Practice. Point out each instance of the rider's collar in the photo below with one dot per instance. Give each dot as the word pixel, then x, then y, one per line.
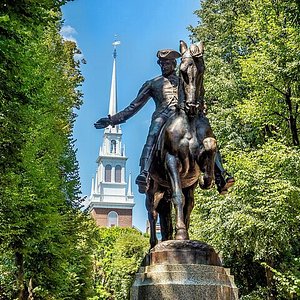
pixel 171 75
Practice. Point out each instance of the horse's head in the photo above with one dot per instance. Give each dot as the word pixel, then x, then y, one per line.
pixel 191 72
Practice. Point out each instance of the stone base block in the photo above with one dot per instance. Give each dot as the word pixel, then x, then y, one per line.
pixel 183 270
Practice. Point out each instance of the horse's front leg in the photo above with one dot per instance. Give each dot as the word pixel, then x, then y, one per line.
pixel 189 203
pixel 177 196
pixel 206 161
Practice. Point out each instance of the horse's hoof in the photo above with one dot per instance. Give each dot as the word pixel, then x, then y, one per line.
pixel 206 183
pixel 181 234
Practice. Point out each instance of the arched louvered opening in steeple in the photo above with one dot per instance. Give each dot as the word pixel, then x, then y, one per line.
pixel 113 146
pixel 118 172
pixel 107 174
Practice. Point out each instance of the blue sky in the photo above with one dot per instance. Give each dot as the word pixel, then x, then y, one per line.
pixel 143 27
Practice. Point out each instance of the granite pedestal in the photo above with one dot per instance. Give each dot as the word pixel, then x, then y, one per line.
pixel 189 270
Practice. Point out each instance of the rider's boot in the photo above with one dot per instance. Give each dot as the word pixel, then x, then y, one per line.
pixel 141 181
pixel 142 178
pixel 223 179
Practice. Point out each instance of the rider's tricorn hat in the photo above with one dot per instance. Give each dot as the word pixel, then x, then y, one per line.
pixel 168 54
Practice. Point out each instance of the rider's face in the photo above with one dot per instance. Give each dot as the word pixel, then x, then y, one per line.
pixel 167 66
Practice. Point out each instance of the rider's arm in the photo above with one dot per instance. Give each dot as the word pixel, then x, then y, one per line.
pixel 143 96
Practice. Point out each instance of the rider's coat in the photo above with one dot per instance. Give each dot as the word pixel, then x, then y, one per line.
pixel 163 90
pixel 166 92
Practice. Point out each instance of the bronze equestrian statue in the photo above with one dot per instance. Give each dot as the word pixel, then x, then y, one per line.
pixel 179 105
pixel 184 155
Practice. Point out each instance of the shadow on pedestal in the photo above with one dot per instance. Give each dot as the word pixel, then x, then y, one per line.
pixel 189 270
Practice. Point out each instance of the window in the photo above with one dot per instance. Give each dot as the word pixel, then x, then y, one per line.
pixel 112 219
pixel 113 146
pixel 118 171
pixel 107 175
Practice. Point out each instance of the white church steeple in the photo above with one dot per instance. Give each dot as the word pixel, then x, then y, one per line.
pixel 111 196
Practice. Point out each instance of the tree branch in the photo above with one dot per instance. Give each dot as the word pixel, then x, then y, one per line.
pixel 280 115
pixel 274 87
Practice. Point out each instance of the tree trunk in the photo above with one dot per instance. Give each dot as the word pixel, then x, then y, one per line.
pixel 270 282
pixel 293 127
pixel 20 275
pixel 292 117
pixel 30 290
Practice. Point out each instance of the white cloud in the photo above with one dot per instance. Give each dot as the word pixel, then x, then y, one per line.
pixel 68 32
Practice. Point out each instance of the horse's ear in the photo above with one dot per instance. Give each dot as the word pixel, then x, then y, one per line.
pixel 183 47
pixel 201 46
pixel 197 49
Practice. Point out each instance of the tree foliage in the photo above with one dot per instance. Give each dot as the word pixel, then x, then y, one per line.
pixel 43 235
pixel 117 257
pixel 252 94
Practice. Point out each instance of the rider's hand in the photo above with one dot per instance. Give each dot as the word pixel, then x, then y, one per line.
pixel 103 123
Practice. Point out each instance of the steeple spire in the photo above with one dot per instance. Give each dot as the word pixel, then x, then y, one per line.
pixel 113 88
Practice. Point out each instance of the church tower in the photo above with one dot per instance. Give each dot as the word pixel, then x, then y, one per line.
pixel 111 200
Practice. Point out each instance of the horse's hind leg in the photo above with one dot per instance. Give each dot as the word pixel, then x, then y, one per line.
pixel 177 196
pixel 164 209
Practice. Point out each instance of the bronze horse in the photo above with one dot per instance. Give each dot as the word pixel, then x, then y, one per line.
pixel 184 155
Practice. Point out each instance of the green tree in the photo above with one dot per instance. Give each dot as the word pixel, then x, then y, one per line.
pixel 118 255
pixel 252 94
pixel 43 234
pixel 270 37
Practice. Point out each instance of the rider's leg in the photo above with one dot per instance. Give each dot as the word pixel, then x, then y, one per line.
pixel 145 154
pixel 141 179
pixel 223 179
pixel 154 130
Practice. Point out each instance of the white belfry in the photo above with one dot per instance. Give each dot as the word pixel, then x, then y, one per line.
pixel 112 200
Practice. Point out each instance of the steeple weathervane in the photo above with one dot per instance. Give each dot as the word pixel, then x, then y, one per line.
pixel 115 44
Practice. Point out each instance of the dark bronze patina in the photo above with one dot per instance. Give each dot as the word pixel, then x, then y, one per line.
pixel 185 153
pixel 180 151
